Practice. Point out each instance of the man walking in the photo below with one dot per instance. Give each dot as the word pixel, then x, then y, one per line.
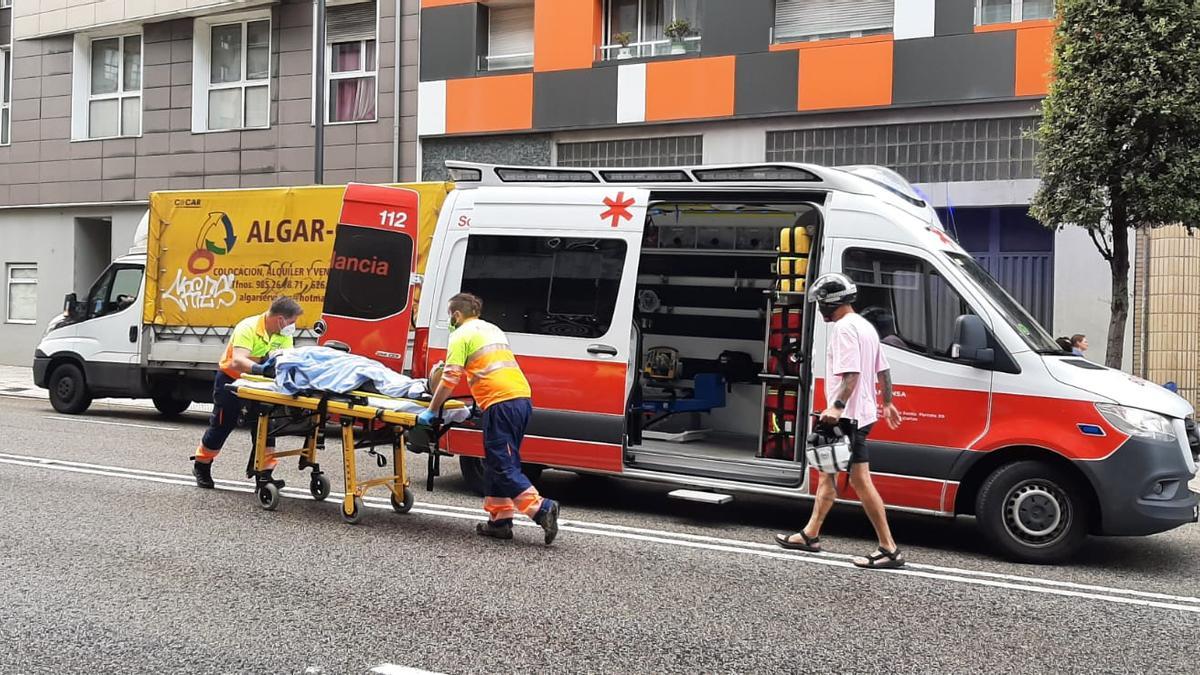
pixel 253 339
pixel 481 350
pixel 854 363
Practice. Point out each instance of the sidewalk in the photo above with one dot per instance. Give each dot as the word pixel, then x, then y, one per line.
pixel 18 381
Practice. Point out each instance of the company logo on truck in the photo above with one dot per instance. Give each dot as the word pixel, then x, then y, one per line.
pixel 216 238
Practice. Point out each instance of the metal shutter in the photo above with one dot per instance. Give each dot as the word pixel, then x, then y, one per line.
pixel 347 23
pixel 510 30
pixel 800 18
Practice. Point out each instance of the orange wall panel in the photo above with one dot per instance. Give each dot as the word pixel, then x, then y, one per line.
pixel 482 104
pixel 1035 60
pixel 564 34
pixel 690 88
pixel 846 76
pixel 443 3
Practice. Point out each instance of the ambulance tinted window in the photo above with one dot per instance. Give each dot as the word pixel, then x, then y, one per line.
pixel 369 273
pixel 545 285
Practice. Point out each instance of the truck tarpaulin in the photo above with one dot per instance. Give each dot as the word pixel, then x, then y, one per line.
pixel 215 257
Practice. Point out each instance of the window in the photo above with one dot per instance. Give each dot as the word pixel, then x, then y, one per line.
pixel 352 62
pixel 909 303
pixel 114 88
pixel 21 293
pixel 635 152
pixel 1025 325
pixel 820 19
pixel 115 290
pixel 558 286
pixel 1008 11
pixel 232 72
pixel 510 38
pixel 5 3
pixel 5 95
pixel 647 26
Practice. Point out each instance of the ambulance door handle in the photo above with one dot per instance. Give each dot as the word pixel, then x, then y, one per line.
pixel 602 350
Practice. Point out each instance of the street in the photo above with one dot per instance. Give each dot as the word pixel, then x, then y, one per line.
pixel 111 557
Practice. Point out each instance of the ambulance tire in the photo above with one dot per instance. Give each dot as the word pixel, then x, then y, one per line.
pixel 68 390
pixel 472 472
pixel 532 471
pixel 1033 512
pixel 170 406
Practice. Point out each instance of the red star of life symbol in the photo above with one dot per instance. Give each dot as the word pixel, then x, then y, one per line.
pixel 942 235
pixel 617 209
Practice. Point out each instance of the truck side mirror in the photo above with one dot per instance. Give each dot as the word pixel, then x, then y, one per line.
pixel 971 341
pixel 70 306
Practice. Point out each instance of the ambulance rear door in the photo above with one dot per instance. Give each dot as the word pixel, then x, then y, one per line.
pixel 556 268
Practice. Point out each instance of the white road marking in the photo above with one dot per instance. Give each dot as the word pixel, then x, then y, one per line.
pixel 393 669
pixel 89 420
pixel 760 549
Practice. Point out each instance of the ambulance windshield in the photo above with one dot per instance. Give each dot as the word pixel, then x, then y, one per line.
pixel 1026 326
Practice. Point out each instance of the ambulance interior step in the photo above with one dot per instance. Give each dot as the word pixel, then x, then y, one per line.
pixel 702 497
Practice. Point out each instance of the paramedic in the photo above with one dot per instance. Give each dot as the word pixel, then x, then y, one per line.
pixel 854 360
pixel 481 350
pixel 252 340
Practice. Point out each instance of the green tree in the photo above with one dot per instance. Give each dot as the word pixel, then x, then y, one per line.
pixel 1120 129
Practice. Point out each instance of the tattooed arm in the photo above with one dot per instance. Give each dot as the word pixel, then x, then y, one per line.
pixel 890 414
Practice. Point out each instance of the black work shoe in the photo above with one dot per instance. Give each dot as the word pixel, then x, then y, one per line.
pixel 495 531
pixel 203 473
pixel 548 519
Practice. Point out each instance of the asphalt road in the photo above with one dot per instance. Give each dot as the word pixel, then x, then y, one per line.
pixel 112 561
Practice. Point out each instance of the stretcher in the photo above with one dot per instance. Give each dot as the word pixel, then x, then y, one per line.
pixel 367 420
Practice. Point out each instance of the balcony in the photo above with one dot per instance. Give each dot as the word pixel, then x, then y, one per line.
pixel 650 49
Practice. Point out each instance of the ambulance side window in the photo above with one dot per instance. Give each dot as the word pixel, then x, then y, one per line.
pixel 562 286
pixel 909 303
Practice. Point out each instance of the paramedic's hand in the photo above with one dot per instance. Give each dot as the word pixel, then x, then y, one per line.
pixel 257 369
pixel 426 418
pixel 891 415
pixel 831 416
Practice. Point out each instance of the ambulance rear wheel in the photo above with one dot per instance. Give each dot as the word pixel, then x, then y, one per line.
pixel 1033 512
pixel 68 390
pixel 472 471
pixel 319 487
pixel 268 496
pixel 406 505
pixel 356 512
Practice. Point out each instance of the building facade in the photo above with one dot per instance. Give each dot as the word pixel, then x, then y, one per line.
pixel 942 91
pixel 105 101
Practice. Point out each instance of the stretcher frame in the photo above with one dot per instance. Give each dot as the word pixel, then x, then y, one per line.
pixel 378 426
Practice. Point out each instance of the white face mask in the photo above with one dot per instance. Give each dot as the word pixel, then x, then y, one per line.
pixel 288 330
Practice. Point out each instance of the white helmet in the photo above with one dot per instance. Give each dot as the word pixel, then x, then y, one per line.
pixel 833 289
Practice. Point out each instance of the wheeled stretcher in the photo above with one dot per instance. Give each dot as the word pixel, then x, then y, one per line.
pixel 367 421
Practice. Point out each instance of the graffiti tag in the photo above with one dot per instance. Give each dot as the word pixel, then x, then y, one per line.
pixel 202 292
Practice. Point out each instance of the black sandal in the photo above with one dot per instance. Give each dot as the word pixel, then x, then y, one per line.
pixel 883 559
pixel 809 544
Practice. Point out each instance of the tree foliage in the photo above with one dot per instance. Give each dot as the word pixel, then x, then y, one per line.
pixel 1120 130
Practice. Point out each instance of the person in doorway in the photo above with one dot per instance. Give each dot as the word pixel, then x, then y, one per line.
pixel 251 342
pixel 481 350
pixel 1079 345
pixel 854 363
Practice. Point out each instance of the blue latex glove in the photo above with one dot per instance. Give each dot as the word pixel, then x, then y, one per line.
pixel 427 418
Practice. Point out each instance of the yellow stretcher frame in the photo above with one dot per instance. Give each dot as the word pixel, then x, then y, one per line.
pixel 348 412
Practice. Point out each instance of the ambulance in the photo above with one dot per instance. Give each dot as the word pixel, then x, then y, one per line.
pixel 660 317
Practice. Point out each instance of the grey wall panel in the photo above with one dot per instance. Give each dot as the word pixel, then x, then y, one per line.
pixel 767 82
pixel 525 149
pixel 954 68
pixel 954 17
pixel 5 26
pixel 449 42
pixel 573 98
pixel 736 26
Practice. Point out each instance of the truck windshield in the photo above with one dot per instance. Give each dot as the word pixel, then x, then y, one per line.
pixel 1026 326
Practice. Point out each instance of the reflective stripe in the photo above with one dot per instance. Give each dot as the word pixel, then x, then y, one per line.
pixel 475 377
pixel 485 350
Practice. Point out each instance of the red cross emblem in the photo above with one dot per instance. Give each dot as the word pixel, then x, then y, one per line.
pixel 942 235
pixel 617 209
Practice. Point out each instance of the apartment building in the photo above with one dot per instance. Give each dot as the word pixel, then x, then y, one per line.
pixel 942 91
pixel 105 101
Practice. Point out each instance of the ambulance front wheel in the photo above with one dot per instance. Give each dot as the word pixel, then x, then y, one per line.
pixel 356 511
pixel 268 496
pixel 319 487
pixel 1034 512
pixel 406 505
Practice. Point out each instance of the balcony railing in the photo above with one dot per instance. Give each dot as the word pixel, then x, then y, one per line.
pixel 506 61
pixel 650 49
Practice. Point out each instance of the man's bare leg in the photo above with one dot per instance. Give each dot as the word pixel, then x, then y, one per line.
pixel 822 503
pixel 872 503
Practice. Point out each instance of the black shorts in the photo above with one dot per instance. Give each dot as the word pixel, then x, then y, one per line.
pixel 858 445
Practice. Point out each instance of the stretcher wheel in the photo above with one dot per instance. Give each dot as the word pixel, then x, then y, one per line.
pixel 319 487
pixel 356 512
pixel 406 505
pixel 268 496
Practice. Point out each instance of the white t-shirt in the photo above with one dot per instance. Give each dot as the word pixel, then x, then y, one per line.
pixel 853 347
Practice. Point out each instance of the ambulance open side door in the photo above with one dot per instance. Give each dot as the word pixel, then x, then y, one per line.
pixel 556 268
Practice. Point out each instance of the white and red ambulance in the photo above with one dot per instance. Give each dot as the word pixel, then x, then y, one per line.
pixel 660 318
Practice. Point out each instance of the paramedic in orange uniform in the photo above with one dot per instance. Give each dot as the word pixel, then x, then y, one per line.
pixel 481 350
pixel 250 343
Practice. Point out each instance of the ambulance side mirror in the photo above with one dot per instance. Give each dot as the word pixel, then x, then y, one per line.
pixel 971 342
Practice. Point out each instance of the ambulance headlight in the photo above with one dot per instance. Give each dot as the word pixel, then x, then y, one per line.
pixel 1136 422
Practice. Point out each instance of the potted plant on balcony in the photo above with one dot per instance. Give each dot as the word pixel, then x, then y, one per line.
pixel 623 39
pixel 677 30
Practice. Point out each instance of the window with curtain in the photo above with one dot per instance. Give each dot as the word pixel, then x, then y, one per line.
pixel 238 71
pixel 510 37
pixel 351 62
pixel 114 105
pixel 818 19
pixel 22 279
pixel 5 95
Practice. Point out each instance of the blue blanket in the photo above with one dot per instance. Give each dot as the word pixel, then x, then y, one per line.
pixel 325 369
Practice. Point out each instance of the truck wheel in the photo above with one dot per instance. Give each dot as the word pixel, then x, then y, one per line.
pixel 472 471
pixel 170 406
pixel 68 390
pixel 1033 512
